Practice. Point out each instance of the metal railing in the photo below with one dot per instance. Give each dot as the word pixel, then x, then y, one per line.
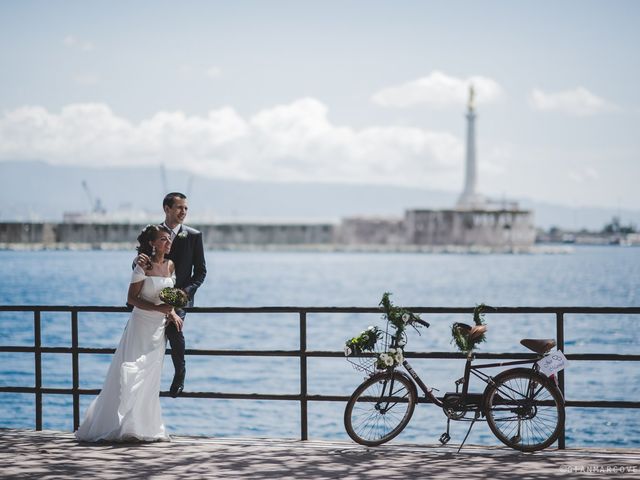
pixel 303 397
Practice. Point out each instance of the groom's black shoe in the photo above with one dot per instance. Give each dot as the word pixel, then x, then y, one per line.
pixel 178 383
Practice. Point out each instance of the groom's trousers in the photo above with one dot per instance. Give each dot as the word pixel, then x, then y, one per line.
pixel 176 341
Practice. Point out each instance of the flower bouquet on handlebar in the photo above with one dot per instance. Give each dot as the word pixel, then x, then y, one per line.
pixel 375 349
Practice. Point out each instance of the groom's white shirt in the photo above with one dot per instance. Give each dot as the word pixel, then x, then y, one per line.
pixel 174 231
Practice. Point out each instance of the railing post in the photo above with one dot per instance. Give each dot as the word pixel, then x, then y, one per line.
pixel 75 369
pixel 560 345
pixel 303 376
pixel 37 344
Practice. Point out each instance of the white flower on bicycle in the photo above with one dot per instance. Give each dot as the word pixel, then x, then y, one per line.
pixel 347 351
pixel 406 317
pixel 383 357
pixel 392 351
pixel 399 357
pixel 371 328
pixel 388 361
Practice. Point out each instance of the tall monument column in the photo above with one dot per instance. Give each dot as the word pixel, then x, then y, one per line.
pixel 469 197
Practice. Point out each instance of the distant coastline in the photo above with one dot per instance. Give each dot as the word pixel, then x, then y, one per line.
pixel 427 249
pixel 352 235
pixel 476 231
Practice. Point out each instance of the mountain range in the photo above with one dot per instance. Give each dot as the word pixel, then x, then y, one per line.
pixel 38 191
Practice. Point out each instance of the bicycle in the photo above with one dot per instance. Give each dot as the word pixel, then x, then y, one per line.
pixel 523 407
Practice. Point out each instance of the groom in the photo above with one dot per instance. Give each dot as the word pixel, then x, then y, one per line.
pixel 187 253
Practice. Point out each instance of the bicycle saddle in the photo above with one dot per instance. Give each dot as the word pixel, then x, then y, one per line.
pixel 540 346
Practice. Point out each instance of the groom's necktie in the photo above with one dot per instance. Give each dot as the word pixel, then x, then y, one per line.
pixel 173 234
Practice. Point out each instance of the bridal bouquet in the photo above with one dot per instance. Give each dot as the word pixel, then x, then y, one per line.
pixel 174 297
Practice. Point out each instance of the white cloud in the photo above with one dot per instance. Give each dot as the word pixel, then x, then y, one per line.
pixel 439 90
pixel 578 101
pixel 591 173
pixel 292 142
pixel 213 72
pixel 74 42
pixel 585 174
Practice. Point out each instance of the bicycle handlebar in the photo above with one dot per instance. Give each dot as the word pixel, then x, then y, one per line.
pixel 421 322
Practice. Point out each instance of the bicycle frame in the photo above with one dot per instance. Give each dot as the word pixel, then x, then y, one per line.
pixel 468 370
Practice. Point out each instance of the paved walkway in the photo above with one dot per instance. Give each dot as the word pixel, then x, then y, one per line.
pixel 48 454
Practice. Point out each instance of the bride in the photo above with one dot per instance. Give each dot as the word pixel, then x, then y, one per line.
pixel 128 406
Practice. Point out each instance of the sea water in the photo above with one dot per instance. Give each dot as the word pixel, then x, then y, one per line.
pixel 590 276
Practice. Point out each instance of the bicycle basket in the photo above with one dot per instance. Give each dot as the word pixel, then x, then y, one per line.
pixel 366 360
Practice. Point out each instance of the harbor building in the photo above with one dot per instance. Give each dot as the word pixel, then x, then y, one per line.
pixel 475 221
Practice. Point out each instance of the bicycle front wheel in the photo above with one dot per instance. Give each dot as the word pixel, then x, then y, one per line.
pixel 524 410
pixel 380 408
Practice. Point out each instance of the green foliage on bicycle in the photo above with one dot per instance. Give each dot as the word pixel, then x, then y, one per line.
pixel 467 337
pixel 398 317
pixel 365 342
pixel 376 349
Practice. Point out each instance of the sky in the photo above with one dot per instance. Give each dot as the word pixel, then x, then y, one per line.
pixel 366 92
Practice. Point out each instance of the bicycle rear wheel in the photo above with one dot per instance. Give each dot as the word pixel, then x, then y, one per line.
pixel 524 409
pixel 380 408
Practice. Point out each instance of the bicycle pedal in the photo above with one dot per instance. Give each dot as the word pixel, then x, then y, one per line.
pixel 444 438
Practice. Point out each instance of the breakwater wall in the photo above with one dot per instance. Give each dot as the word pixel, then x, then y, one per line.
pixel 51 234
pixel 418 230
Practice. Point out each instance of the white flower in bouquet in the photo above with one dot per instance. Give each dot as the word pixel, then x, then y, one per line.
pixel 347 351
pixel 406 317
pixel 399 357
pixel 392 350
pixel 388 361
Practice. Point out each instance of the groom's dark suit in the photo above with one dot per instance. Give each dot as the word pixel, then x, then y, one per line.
pixel 187 253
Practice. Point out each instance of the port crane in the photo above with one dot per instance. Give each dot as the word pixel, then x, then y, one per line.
pixel 96 206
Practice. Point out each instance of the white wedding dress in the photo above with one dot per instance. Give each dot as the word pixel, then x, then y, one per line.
pixel 128 407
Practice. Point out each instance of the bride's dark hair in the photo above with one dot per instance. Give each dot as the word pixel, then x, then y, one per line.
pixel 149 234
